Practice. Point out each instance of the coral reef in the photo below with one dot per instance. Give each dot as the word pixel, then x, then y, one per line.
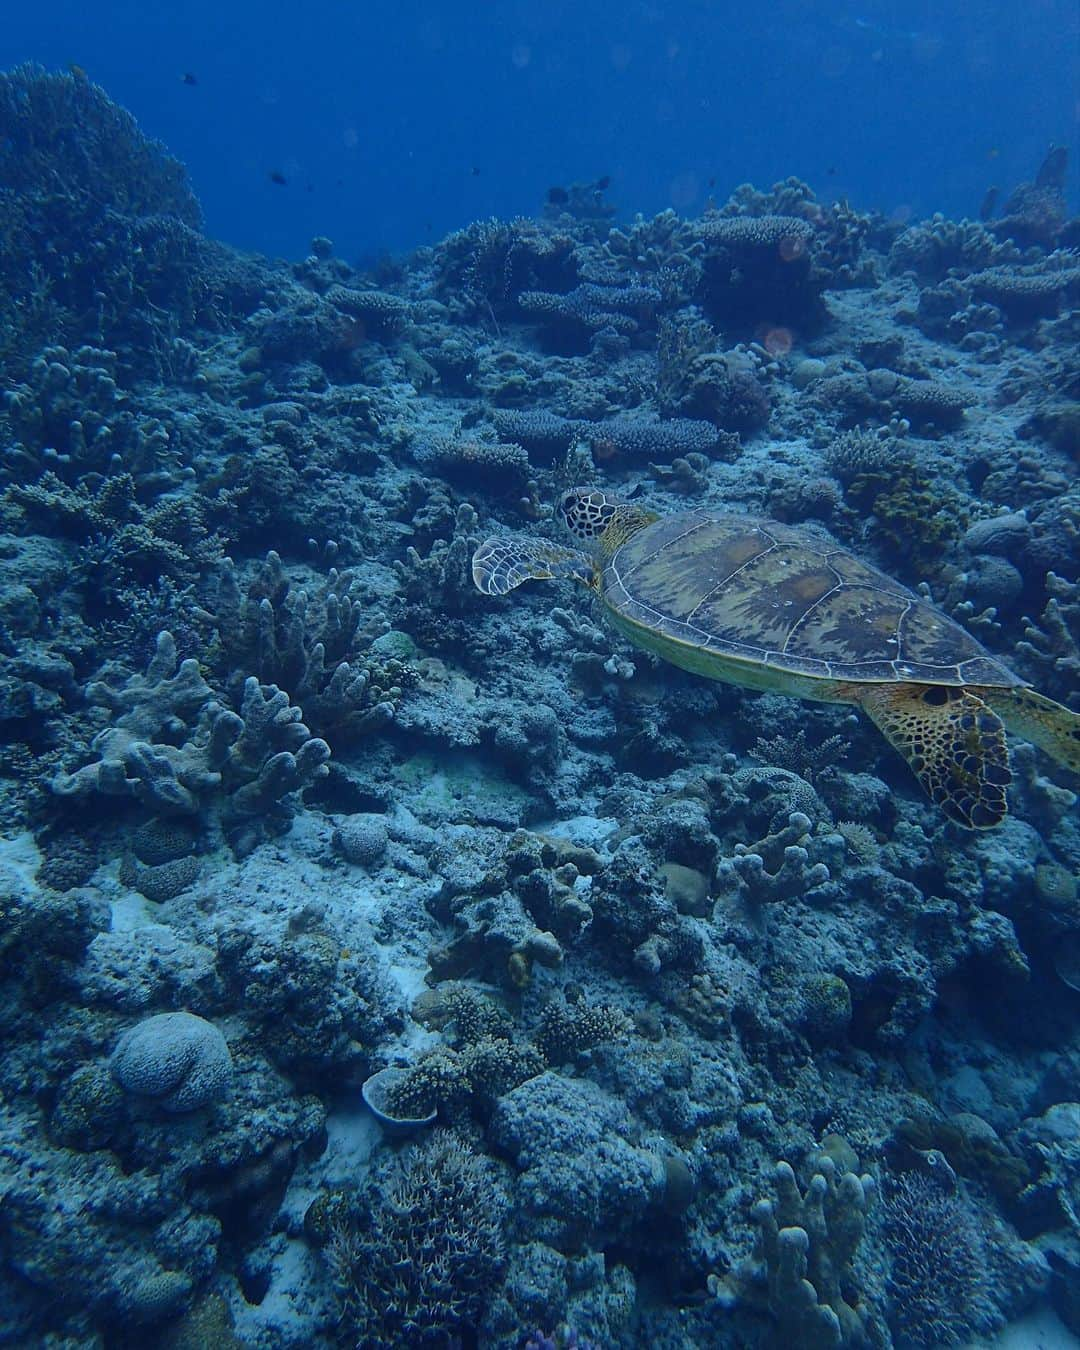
pixel 389 964
pixel 77 167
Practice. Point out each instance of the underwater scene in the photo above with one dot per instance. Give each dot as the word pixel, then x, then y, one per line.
pixel 540 676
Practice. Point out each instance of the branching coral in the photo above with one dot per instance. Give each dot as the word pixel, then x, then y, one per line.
pixel 757 270
pixel 694 378
pixel 496 468
pixel 419 1266
pixel 939 1276
pixel 486 266
pixel 1052 644
pixel 588 308
pixel 61 133
pixel 807 1242
pixel 314 643
pixel 174 747
pixel 788 853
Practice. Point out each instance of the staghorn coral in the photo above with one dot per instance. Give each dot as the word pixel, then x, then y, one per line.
pixel 796 754
pixel 134 562
pixel 939 1267
pixel 417 1264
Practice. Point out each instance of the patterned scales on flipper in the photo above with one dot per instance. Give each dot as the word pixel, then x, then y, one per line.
pixel 499 565
pixel 954 743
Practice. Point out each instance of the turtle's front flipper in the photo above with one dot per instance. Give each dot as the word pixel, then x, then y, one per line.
pixel 1052 727
pixel 954 743
pixel 499 565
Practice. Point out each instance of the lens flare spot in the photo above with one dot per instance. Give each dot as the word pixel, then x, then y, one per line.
pixel 778 341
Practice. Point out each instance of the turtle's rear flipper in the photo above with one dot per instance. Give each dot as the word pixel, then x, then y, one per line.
pixel 499 565
pixel 954 743
pixel 1051 726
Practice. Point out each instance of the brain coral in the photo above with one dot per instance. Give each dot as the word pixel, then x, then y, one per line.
pixel 180 1060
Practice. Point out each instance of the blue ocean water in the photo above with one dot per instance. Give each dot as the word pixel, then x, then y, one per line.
pixel 393 121
pixel 540 676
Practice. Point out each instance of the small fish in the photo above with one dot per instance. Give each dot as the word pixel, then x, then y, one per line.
pixel 188 78
pixel 276 176
pixel 883 31
pixel 602 184
pixel 986 210
pixel 712 181
pixel 558 196
pixel 475 171
pixel 77 71
pixel 831 170
pixel 993 153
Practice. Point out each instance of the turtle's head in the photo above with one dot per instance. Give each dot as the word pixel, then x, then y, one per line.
pixel 591 515
pixel 587 512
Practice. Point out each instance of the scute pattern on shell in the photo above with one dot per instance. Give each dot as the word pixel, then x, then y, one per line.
pixel 775 596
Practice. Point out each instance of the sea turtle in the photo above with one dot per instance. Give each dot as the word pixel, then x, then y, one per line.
pixel 772 606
